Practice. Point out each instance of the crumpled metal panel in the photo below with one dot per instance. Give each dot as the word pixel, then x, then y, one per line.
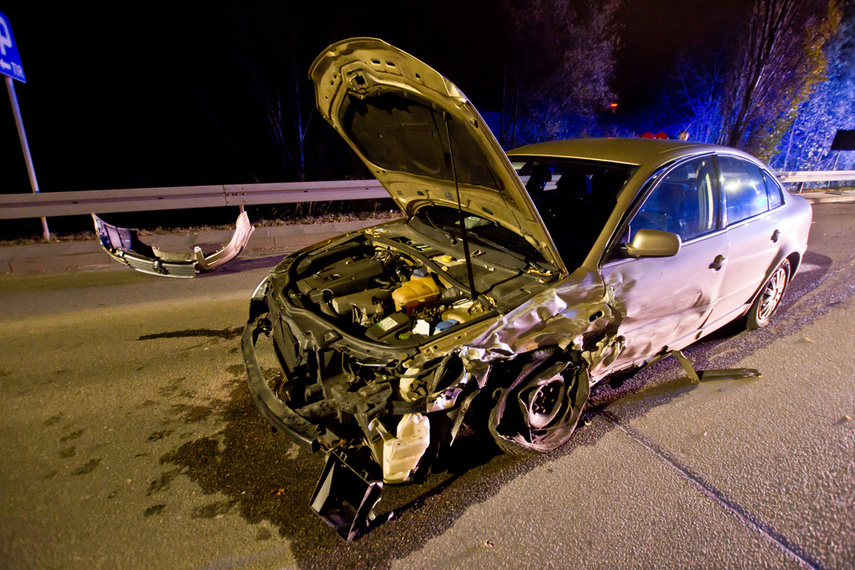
pixel 577 313
pixel 666 301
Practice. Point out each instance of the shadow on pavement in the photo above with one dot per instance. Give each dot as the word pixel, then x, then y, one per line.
pixel 260 476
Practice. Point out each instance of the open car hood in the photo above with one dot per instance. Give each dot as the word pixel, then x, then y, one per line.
pixel 399 115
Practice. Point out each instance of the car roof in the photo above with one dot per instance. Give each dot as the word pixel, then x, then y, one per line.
pixel 623 150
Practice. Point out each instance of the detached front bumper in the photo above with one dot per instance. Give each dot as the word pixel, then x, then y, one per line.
pixel 284 419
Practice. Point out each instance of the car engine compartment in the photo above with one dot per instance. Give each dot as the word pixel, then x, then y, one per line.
pixel 348 320
pixel 368 330
pixel 398 284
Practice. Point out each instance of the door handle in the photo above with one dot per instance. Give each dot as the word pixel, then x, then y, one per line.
pixel 775 235
pixel 718 262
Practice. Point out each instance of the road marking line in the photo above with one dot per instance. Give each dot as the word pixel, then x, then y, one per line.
pixel 748 519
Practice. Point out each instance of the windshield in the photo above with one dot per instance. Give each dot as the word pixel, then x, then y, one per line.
pixel 574 198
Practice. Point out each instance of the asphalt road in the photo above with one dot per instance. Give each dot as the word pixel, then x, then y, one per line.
pixel 129 441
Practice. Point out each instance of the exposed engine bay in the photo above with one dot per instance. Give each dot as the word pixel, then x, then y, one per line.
pixel 354 312
pixel 367 330
pixel 404 283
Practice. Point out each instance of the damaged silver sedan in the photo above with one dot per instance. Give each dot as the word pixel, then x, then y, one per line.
pixel 512 284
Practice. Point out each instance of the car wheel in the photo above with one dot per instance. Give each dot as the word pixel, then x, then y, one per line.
pixel 769 299
pixel 539 410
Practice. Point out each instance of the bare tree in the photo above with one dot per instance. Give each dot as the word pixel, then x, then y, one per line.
pixel 558 62
pixel 771 73
pixel 693 95
pixel 272 80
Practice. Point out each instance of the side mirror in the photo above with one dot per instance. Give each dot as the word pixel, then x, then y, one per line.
pixel 653 243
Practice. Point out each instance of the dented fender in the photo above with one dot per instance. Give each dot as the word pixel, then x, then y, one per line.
pixel 578 314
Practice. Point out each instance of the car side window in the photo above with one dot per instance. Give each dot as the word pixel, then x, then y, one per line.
pixel 684 202
pixel 743 187
pixel 773 191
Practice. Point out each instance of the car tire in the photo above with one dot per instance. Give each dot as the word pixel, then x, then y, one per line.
pixel 538 411
pixel 769 298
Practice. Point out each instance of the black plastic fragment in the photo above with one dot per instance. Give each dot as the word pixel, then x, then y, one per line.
pixel 347 493
pixel 729 374
pixel 715 373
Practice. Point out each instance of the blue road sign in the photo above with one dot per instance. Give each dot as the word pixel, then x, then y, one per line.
pixel 10 61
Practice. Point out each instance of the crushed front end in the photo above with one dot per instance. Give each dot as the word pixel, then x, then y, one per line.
pixel 368 331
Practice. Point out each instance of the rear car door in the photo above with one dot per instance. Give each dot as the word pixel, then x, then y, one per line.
pixel 754 225
pixel 663 301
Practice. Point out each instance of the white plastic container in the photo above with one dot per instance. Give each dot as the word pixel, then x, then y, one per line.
pixel 402 453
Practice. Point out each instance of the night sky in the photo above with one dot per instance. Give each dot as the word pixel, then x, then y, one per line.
pixel 143 95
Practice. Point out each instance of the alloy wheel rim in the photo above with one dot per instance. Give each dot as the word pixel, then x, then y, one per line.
pixel 772 294
pixel 543 403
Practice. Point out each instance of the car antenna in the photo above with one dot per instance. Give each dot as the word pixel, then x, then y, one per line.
pixel 472 293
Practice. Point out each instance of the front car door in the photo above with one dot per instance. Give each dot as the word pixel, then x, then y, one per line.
pixel 664 301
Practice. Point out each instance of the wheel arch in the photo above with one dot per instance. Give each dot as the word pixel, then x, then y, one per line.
pixel 795 260
pixel 522 373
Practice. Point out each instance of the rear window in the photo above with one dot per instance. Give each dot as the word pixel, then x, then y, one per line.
pixel 773 191
pixel 744 189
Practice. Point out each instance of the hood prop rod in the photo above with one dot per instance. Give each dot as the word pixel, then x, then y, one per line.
pixel 472 293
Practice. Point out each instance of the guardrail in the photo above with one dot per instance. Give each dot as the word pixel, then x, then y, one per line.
pixel 816 176
pixel 54 204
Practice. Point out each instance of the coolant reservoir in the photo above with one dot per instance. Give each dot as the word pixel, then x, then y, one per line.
pixel 415 292
pixel 401 454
